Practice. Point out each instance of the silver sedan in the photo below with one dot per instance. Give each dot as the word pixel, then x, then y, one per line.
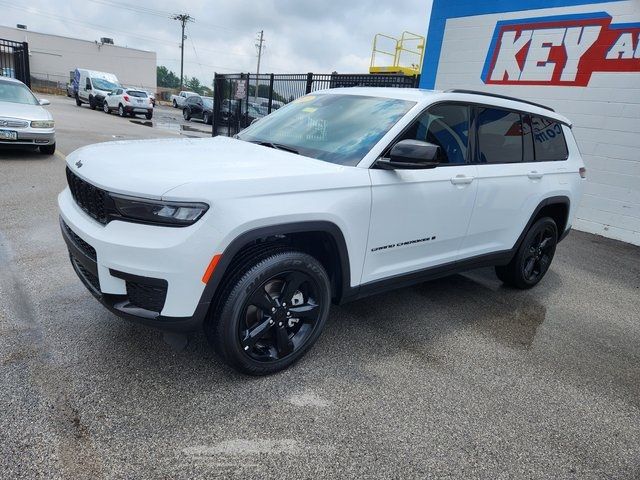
pixel 23 121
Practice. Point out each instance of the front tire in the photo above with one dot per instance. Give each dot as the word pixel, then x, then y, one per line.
pixel 206 119
pixel 148 116
pixel 533 258
pixel 175 104
pixel 92 103
pixel 121 111
pixel 186 115
pixel 105 108
pixel 271 311
pixel 78 102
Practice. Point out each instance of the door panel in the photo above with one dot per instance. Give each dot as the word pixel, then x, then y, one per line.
pixel 418 218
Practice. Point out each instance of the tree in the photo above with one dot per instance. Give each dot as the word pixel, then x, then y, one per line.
pixel 166 78
pixel 193 84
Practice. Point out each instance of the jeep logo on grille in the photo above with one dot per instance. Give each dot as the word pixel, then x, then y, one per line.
pixel 79 163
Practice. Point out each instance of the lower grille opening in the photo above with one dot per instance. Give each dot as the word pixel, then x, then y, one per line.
pixel 146 296
pixel 88 276
pixel 80 243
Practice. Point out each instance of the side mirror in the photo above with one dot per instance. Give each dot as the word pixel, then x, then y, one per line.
pixel 44 101
pixel 411 154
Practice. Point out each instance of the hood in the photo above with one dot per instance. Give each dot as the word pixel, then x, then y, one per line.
pixel 23 111
pixel 151 168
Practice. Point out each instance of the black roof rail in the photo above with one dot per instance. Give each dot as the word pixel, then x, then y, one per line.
pixel 495 95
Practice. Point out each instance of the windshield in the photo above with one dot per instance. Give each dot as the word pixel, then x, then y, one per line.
pixel 334 128
pixel 102 84
pixel 16 93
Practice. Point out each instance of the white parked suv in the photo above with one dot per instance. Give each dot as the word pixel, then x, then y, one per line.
pixel 128 101
pixel 338 195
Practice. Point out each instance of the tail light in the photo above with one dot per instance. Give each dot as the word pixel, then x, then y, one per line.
pixel 582 172
pixel 126 98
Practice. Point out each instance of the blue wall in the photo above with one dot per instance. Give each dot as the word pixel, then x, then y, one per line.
pixel 445 9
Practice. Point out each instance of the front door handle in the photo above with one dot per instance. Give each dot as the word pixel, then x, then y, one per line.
pixel 533 175
pixel 461 180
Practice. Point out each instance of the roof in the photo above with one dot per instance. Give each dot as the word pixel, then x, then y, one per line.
pixel 425 97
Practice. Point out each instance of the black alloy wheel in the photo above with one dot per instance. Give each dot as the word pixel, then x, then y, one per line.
pixel 279 316
pixel 533 258
pixel 270 312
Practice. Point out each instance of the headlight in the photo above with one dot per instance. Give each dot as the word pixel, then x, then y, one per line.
pixel 42 124
pixel 164 213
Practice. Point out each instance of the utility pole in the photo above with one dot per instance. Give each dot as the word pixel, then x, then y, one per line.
pixel 183 18
pixel 260 47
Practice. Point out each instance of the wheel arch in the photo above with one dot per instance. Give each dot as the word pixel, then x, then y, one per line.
pixel 322 239
pixel 556 207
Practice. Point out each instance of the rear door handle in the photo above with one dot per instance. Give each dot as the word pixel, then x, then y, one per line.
pixel 533 175
pixel 461 180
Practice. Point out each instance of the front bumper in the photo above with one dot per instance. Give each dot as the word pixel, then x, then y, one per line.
pixel 32 137
pixel 147 274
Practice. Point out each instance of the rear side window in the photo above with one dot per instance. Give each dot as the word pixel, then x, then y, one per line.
pixel 500 136
pixel 549 141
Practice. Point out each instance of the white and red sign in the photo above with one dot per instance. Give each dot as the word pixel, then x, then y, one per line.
pixel 563 50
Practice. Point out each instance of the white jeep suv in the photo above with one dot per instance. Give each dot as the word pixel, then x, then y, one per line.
pixel 336 196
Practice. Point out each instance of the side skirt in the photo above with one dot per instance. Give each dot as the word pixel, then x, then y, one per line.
pixel 427 274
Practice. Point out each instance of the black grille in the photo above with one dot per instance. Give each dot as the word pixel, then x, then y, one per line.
pixel 80 243
pixel 88 276
pixel 149 297
pixel 90 198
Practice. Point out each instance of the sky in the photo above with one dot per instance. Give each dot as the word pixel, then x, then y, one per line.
pixel 300 36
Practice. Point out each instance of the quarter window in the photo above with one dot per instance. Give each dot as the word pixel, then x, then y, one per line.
pixel 445 125
pixel 500 136
pixel 549 140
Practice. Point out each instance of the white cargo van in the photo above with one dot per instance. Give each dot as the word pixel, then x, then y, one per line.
pixel 92 87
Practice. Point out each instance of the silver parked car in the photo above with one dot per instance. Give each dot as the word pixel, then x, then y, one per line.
pixel 23 121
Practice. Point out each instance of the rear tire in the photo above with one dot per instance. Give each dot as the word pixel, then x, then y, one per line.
pixel 148 116
pixel 533 258
pixel 271 311
pixel 78 102
pixel 48 149
pixel 175 104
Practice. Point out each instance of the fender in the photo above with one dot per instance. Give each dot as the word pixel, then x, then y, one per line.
pixel 557 200
pixel 281 229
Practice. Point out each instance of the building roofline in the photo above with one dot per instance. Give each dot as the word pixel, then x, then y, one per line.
pixel 76 39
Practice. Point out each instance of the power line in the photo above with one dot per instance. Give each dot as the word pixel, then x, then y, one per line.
pixel 259 46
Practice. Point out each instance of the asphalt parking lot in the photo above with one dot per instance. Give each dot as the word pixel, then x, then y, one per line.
pixel 457 378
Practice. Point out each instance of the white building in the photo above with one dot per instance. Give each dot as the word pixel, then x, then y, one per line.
pixel 53 57
pixel 580 57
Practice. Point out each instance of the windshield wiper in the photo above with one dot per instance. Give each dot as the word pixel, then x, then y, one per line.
pixel 277 146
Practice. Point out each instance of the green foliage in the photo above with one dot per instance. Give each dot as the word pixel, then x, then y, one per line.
pixel 166 78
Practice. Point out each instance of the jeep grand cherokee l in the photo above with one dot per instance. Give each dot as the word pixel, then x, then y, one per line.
pixel 336 196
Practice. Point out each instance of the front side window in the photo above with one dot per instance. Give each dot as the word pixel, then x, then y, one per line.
pixel 335 128
pixel 549 141
pixel 499 136
pixel 447 126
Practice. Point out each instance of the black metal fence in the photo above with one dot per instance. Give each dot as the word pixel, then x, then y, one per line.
pixel 14 60
pixel 240 98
